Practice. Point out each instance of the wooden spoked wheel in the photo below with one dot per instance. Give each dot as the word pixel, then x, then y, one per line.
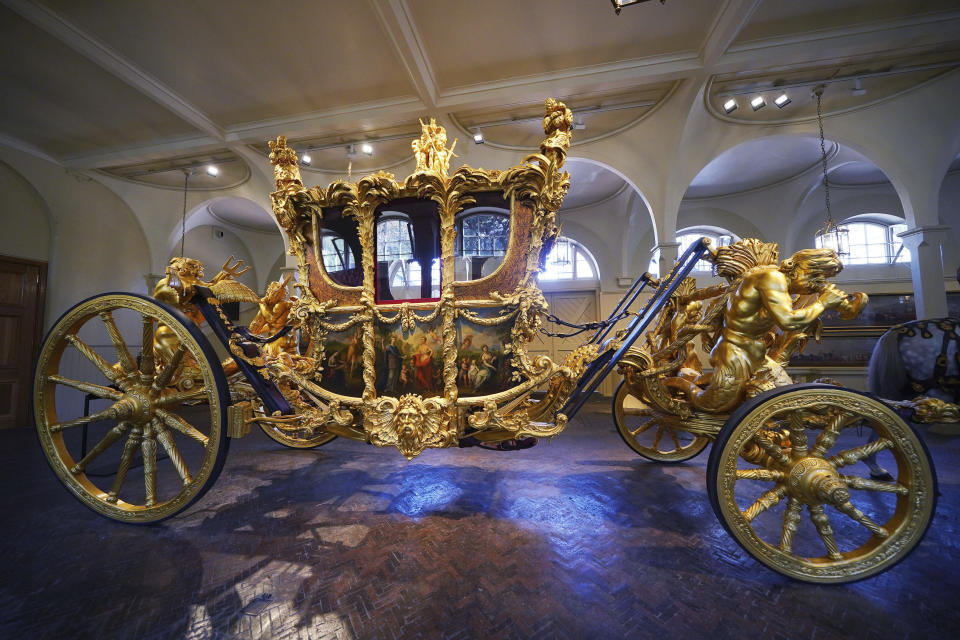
pixel 648 437
pixel 157 421
pixel 786 478
pixel 296 440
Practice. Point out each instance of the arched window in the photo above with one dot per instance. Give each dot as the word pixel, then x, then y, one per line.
pixel 400 272
pixel 686 237
pixel 569 260
pixel 482 238
pixel 872 240
pixel 337 256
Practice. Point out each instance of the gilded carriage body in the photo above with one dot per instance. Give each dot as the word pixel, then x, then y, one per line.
pixel 382 346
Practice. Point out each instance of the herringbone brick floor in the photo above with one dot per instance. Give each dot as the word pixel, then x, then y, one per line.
pixel 577 538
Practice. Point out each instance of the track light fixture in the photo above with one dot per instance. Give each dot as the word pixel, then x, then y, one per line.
pixel 730 106
pixel 758 103
pixel 305 159
pixel 478 137
pixel 782 101
pixel 212 170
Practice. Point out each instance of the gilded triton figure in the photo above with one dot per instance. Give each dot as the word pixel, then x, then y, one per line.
pixel 760 302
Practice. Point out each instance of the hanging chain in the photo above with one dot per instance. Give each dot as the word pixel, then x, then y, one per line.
pixel 823 156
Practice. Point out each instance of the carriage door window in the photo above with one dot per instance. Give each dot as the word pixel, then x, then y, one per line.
pixel 481 244
pixel 340 248
pixel 408 262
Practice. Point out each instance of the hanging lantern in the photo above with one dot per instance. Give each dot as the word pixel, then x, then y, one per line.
pixel 832 235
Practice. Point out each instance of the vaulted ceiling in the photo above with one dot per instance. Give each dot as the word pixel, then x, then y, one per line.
pixel 136 89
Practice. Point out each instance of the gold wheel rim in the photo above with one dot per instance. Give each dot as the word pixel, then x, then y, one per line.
pixel 667 444
pixel 810 474
pixel 149 422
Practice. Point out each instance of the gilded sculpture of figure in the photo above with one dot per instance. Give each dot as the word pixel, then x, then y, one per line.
pixel 274 309
pixel 431 151
pixel 759 302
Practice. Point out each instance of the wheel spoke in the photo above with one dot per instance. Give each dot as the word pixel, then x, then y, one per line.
pixel 772 450
pixel 768 499
pixel 856 482
pixel 87 387
pixel 642 428
pixel 179 424
pixel 166 440
pixel 166 375
pixel 766 475
pixel 116 410
pixel 657 437
pixel 147 366
pixel 791 520
pixel 798 435
pixel 181 396
pixel 123 353
pixel 126 458
pixel 852 456
pixel 829 436
pixel 96 359
pixel 148 449
pixel 112 436
pixel 676 440
pixel 822 522
pixel 853 513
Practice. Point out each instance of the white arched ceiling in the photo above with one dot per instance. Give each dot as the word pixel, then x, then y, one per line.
pixel 593 182
pixel 756 164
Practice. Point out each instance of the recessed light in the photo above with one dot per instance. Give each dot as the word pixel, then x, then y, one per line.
pixel 730 105
pixel 478 137
pixel 367 148
pixel 305 159
pixel 758 103
pixel 212 171
pixel 782 101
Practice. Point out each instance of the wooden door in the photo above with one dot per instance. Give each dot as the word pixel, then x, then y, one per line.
pixel 22 290
pixel 573 306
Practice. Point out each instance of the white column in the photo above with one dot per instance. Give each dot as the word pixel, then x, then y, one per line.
pixel 152 279
pixel 926 267
pixel 667 253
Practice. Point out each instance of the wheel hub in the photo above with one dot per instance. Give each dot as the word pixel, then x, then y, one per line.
pixel 814 480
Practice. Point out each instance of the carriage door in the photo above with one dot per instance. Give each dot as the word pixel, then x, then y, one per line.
pixel 572 306
pixel 22 284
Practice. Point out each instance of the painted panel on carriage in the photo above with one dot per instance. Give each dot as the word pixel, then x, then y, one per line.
pixel 343 359
pixel 483 365
pixel 409 361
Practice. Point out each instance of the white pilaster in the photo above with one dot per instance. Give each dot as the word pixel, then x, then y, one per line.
pixel 926 267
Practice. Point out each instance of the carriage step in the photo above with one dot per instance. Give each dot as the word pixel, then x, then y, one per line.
pixel 514 444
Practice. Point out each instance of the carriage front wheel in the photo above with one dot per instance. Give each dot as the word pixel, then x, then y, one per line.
pixel 155 423
pixel 646 436
pixel 787 479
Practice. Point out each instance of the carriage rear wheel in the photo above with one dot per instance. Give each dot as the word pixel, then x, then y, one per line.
pixel 297 440
pixel 649 438
pixel 158 421
pixel 801 449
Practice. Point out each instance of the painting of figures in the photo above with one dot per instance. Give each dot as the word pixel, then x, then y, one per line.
pixel 483 366
pixel 412 361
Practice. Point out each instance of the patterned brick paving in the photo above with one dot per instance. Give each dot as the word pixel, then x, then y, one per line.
pixel 577 538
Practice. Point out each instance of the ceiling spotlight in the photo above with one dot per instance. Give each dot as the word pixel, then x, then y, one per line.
pixel 857 90
pixel 305 159
pixel 578 124
pixel 478 137
pixel 212 170
pixel 782 101
pixel 620 4
pixel 758 103
pixel 367 149
pixel 730 106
